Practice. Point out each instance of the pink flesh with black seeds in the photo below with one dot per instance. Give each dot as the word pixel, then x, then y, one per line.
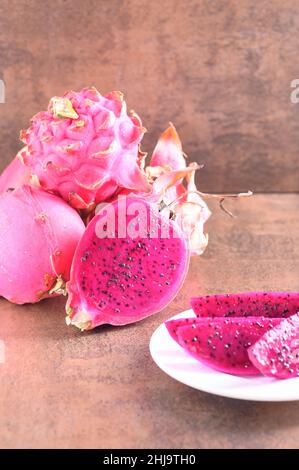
pixel 267 304
pixel 122 280
pixel 276 354
pixel 222 343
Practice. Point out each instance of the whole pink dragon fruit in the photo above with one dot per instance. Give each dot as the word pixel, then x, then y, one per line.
pixel 39 234
pixel 129 264
pixel 85 147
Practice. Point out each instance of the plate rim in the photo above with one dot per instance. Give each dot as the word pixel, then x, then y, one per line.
pixel 203 388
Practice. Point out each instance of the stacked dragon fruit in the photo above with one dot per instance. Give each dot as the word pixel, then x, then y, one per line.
pixel 243 334
pixel 82 153
pixel 82 215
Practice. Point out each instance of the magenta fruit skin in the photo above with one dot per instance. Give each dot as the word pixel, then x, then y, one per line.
pixel 267 304
pixel 276 354
pixel 39 235
pixel 222 343
pixel 123 280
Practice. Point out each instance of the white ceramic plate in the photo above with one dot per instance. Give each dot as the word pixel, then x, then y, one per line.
pixel 177 363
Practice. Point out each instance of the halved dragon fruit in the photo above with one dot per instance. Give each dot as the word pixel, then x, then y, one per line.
pixel 222 343
pixel 129 264
pixel 256 304
pixel 276 354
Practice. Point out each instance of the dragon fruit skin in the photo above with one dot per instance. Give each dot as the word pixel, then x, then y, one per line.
pixel 168 151
pixel 168 165
pixel 14 176
pixel 39 234
pixel 276 354
pixel 85 147
pixel 222 343
pixel 120 279
pixel 266 304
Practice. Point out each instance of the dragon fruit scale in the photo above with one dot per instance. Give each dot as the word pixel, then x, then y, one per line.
pixel 85 147
pixel 168 166
pixel 168 151
pixel 39 235
pixel 129 264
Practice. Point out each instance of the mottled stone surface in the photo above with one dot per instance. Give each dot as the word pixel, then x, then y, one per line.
pixel 62 388
pixel 220 70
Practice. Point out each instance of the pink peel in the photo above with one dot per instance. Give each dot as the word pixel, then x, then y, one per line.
pixel 168 151
pixel 167 171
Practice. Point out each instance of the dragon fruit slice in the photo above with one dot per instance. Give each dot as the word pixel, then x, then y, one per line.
pixel 129 264
pixel 174 325
pixel 276 354
pixel 222 343
pixel 85 147
pixel 266 304
pixel 39 235
pixel 14 176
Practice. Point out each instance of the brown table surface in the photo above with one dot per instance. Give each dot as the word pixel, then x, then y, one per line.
pixel 62 388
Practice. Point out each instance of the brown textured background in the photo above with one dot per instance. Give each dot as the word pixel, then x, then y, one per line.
pixel 220 70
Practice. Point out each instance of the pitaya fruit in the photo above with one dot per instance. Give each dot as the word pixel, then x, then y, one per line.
pixel 14 176
pixel 276 354
pixel 266 304
pixel 222 343
pixel 39 234
pixel 129 264
pixel 85 147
